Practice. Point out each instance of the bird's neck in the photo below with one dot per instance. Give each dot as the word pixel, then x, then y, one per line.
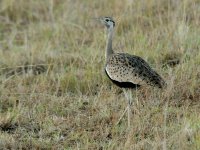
pixel 109 50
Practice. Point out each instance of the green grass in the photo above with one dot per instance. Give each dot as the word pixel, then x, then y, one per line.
pixel 54 93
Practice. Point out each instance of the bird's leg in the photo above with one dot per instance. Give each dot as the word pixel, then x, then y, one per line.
pixel 136 98
pixel 122 116
pixel 128 95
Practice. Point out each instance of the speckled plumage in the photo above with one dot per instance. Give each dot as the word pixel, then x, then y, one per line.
pixel 126 69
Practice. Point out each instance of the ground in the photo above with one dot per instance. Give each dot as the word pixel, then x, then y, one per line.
pixel 54 93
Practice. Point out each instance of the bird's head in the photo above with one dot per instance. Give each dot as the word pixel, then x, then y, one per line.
pixel 107 21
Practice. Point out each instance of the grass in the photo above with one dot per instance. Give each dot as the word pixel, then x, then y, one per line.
pixel 54 93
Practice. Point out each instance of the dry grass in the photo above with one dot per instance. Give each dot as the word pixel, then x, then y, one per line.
pixel 55 95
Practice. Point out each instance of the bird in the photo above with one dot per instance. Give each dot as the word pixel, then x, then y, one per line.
pixel 125 70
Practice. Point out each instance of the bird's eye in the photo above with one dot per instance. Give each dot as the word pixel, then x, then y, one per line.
pixel 107 20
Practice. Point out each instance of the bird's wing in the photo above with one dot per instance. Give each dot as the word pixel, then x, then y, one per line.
pixel 124 67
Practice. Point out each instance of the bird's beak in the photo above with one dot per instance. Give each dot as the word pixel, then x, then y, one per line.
pixel 100 20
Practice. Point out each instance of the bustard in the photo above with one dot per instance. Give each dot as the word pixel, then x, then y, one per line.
pixel 125 70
